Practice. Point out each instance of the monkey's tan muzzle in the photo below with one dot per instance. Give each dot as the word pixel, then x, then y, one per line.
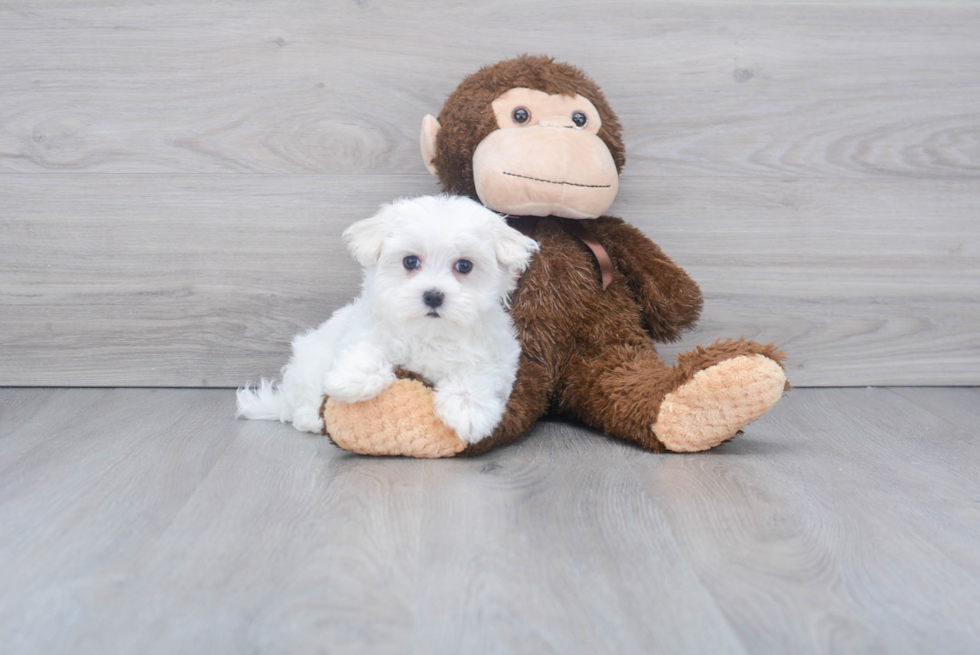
pixel 545 171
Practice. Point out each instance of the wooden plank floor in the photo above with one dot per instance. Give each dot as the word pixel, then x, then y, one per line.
pixel 149 520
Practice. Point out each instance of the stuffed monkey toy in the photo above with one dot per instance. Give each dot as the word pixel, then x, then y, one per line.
pixel 535 139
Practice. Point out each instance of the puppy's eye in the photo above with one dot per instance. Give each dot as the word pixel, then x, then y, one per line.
pixel 463 266
pixel 579 118
pixel 520 115
pixel 411 262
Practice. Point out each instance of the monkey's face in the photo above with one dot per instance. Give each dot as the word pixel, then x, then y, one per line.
pixel 545 158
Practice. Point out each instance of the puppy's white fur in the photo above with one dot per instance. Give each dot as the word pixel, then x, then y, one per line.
pixel 468 350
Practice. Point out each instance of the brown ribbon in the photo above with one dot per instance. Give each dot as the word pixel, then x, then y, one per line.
pixel 582 233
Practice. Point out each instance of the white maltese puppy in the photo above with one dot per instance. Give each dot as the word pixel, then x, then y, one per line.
pixel 437 274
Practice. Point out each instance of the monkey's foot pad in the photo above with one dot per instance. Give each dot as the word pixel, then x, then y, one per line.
pixel 717 402
pixel 399 421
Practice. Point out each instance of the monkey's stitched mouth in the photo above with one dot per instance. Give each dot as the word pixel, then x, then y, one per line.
pixel 538 179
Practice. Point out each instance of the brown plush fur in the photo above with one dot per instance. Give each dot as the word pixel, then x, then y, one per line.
pixel 467 117
pixel 589 352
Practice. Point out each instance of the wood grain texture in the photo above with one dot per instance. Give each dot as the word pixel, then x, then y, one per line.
pixel 203 281
pixel 861 283
pixel 844 525
pixel 82 500
pixel 814 89
pixel 843 521
pixel 173 176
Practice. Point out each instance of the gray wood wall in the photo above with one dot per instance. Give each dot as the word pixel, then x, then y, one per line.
pixel 174 176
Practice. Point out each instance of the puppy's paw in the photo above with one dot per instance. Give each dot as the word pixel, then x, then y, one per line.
pixel 471 417
pixel 358 381
pixel 308 419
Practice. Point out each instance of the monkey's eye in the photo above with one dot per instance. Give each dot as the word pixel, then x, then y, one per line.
pixel 463 266
pixel 520 115
pixel 579 118
pixel 411 262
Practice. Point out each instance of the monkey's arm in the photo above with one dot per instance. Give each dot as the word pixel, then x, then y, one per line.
pixel 670 299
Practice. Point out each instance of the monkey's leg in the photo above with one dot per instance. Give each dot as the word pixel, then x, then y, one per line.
pixel 700 402
pixel 527 403
pixel 398 421
pixel 401 420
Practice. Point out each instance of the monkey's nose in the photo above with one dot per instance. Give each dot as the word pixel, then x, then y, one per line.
pixel 433 298
pixel 556 121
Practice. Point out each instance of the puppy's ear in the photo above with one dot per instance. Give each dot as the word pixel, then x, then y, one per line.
pixel 365 237
pixel 513 249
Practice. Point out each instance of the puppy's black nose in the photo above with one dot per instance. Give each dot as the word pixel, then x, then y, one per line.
pixel 433 298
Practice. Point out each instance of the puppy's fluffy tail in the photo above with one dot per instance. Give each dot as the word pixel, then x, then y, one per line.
pixel 263 402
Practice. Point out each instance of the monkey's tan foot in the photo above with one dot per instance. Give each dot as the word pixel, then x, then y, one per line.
pixel 400 421
pixel 717 402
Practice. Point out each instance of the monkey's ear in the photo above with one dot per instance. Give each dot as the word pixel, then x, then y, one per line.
pixel 365 238
pixel 430 128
